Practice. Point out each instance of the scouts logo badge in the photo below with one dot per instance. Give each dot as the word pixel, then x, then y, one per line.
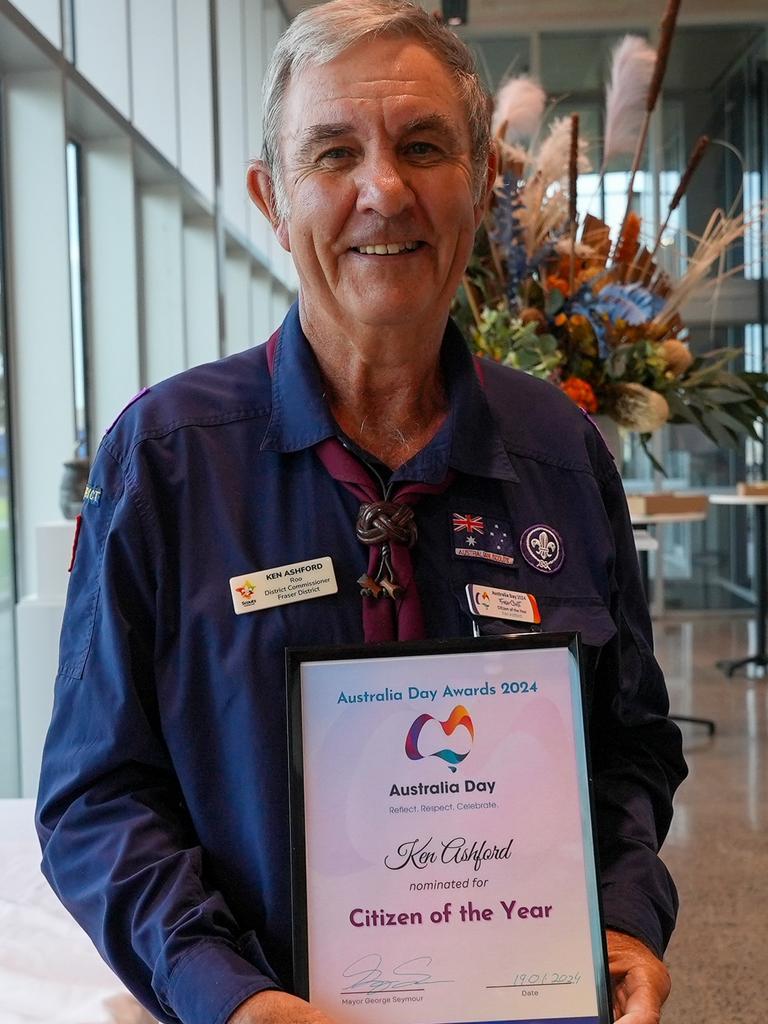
pixel 483 537
pixel 542 548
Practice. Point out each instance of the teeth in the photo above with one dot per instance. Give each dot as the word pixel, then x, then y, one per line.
pixel 387 249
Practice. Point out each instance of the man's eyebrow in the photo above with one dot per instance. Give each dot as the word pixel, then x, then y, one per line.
pixel 317 134
pixel 434 123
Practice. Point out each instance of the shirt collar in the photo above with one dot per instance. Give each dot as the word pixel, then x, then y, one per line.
pixel 468 440
pixel 300 415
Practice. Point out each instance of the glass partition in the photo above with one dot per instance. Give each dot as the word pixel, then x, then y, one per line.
pixel 9 736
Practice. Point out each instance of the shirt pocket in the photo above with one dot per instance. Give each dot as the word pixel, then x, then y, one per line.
pixel 587 615
pixel 584 614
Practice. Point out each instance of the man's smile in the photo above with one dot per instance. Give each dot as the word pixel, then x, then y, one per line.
pixel 386 248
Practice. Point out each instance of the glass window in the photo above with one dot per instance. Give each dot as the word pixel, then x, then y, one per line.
pixel 9 732
pixel 499 59
pixel 76 276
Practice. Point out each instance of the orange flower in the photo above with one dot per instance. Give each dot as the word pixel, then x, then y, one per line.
pixel 629 240
pixel 580 391
pixel 558 282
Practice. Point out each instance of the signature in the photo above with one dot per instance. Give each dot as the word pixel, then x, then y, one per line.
pixel 366 974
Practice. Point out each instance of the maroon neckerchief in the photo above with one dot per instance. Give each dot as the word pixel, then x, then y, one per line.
pixel 384 618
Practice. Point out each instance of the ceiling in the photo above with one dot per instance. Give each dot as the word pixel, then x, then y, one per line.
pixel 513 16
pixel 567 43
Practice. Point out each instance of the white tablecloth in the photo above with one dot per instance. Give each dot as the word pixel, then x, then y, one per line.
pixel 50 972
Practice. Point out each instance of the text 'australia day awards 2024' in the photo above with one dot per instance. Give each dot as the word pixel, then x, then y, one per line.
pixel 447 871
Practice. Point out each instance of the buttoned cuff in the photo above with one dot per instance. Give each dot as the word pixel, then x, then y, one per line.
pixel 210 983
pixel 627 909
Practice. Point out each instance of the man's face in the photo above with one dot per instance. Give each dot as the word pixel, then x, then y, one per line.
pixel 378 176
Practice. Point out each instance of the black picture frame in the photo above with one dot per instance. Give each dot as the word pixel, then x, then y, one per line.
pixel 296 656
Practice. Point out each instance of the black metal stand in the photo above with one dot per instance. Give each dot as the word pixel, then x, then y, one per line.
pixel 760 658
pixel 708 723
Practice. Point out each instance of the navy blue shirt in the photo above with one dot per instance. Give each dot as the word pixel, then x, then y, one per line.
pixel 163 797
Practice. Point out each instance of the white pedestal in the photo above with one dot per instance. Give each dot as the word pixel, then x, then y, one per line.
pixel 38 624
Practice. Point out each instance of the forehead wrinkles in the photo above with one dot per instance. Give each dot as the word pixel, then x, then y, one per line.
pixel 364 117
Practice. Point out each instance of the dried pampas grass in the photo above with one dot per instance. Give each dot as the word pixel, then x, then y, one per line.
pixel 519 109
pixel 626 94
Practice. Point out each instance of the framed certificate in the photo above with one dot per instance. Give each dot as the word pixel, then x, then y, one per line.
pixel 443 854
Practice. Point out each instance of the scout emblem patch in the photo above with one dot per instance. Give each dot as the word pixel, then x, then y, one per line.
pixel 542 548
pixel 484 537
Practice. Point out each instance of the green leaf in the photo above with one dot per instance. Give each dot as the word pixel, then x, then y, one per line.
pixel 731 422
pixel 679 409
pixel 554 302
pixel 644 439
pixel 724 395
pixel 720 434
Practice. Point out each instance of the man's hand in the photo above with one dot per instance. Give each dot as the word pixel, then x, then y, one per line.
pixel 273 1007
pixel 639 981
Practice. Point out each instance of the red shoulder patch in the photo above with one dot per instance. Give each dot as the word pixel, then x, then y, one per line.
pixel 78 527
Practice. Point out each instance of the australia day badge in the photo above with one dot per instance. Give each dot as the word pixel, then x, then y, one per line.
pixel 488 538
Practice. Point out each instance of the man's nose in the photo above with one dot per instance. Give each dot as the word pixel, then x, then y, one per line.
pixel 382 188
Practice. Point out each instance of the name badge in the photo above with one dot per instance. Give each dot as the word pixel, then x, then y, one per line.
pixel 502 604
pixel 285 584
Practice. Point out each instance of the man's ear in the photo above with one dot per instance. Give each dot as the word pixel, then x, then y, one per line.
pixel 489 181
pixel 261 189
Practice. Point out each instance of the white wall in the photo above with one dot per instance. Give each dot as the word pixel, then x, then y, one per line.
pixel 38 301
pixel 101 51
pixel 45 15
pixel 234 155
pixel 153 223
pixel 201 312
pixel 162 277
pixel 237 334
pixel 153 73
pixel 112 313
pixel 193 39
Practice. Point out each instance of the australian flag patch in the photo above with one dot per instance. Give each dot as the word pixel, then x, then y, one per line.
pixel 484 537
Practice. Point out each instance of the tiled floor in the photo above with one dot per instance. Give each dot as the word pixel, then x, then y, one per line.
pixel 717 850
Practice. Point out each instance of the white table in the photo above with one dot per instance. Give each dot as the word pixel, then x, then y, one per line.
pixel 758 502
pixel 659 519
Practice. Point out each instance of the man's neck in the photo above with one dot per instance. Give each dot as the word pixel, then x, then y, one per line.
pixel 384 388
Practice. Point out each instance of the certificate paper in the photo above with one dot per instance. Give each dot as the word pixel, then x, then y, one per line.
pixel 444 865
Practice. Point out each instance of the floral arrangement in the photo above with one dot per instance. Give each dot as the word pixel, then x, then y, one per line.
pixel 588 307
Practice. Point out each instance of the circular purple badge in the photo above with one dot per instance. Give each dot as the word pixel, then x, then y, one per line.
pixel 542 548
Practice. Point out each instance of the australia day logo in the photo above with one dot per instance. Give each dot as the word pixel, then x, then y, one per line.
pixel 458 718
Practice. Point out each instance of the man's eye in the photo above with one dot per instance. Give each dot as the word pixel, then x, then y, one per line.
pixel 337 153
pixel 421 148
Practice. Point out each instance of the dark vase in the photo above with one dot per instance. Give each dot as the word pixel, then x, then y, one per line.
pixel 73 483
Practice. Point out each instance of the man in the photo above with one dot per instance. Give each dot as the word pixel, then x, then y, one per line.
pixel 163 806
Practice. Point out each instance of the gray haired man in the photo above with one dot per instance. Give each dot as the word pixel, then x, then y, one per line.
pixel 163 804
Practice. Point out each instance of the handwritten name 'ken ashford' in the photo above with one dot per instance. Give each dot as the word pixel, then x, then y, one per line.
pixel 422 853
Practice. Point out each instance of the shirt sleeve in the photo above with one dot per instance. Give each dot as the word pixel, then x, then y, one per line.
pixel 636 750
pixel 119 848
